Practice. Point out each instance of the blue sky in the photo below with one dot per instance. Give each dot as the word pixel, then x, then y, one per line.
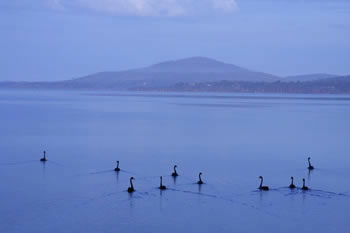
pixel 63 39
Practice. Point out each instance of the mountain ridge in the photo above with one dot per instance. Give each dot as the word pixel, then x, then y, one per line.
pixel 192 69
pixel 190 72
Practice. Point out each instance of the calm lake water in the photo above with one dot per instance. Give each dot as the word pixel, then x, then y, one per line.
pixel 232 139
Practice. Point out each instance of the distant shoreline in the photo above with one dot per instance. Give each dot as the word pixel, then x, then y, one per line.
pixel 178 90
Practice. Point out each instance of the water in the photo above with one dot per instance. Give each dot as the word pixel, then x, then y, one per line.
pixel 232 139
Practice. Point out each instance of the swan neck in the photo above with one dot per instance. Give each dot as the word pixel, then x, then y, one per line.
pixel 261 182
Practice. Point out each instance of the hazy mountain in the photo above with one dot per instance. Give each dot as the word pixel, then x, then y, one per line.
pixel 194 69
pixel 196 74
pixel 308 77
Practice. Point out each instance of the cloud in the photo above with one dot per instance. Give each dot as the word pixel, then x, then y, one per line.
pixel 55 4
pixel 150 7
pixel 225 5
pixel 135 7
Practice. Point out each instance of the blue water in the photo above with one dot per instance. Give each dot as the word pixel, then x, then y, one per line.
pixel 232 139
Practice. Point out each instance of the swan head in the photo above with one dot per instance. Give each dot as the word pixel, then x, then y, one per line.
pixel 308 158
pixel 303 179
pixel 200 173
pixel 260 177
pixel 292 177
pixel 131 178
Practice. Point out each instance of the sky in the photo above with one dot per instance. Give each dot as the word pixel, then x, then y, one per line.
pixel 48 40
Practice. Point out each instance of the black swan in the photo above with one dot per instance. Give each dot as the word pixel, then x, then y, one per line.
pixel 131 188
pixel 162 187
pixel 200 179
pixel 43 159
pixel 292 186
pixel 174 174
pixel 310 167
pixel 261 187
pixel 117 169
pixel 304 187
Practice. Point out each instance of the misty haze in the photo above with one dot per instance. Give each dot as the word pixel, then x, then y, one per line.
pixel 178 116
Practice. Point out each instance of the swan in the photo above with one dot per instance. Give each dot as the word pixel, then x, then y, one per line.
pixel 261 187
pixel 200 179
pixel 117 169
pixel 304 187
pixel 292 186
pixel 162 187
pixel 174 174
pixel 310 167
pixel 43 159
pixel 131 188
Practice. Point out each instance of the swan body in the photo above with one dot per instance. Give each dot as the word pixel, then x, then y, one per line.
pixel 304 186
pixel 174 174
pixel 117 169
pixel 162 187
pixel 131 188
pixel 310 167
pixel 43 159
pixel 292 186
pixel 261 187
pixel 200 179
